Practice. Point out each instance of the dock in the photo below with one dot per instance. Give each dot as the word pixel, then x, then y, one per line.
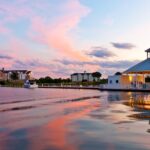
pixel 96 88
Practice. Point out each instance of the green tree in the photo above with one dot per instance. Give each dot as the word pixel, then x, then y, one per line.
pixel 66 80
pixel 14 76
pixel 118 73
pixel 96 75
pixel 48 79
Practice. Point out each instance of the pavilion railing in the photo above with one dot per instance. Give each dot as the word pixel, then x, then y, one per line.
pixel 119 86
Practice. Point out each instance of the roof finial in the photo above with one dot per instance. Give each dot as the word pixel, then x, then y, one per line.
pixel 148 51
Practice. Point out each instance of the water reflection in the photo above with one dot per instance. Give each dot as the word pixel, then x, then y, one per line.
pixel 45 124
pixel 118 96
pixel 55 134
pixel 141 105
pixel 138 107
pixel 140 102
pixel 47 119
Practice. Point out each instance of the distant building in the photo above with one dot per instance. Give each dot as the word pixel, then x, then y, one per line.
pixel 22 74
pixel 2 75
pixel 79 77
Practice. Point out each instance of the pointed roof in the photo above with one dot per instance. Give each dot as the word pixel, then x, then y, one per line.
pixel 148 50
pixel 140 68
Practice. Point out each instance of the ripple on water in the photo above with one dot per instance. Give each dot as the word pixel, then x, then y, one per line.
pixel 60 119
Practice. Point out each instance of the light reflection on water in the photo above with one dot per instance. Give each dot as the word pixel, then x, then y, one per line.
pixel 60 119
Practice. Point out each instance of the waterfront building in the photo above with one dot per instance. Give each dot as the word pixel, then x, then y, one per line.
pixel 80 77
pixel 22 74
pixel 2 75
pixel 132 78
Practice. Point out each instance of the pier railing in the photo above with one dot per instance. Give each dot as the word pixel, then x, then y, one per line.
pixel 48 85
pixel 100 87
pixel 137 86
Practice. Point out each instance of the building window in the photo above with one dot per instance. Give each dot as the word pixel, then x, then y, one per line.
pixel 110 81
pixel 117 81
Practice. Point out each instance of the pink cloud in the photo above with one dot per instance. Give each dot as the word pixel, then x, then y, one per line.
pixel 14 11
pixel 6 63
pixel 3 29
pixel 57 35
pixel 17 48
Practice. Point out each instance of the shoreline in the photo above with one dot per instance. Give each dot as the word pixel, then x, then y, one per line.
pixel 86 88
pixel 97 88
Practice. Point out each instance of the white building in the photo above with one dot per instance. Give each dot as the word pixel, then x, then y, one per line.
pixel 126 81
pixel 22 74
pixel 133 78
pixel 79 77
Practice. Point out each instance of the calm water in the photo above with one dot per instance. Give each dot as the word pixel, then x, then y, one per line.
pixel 60 119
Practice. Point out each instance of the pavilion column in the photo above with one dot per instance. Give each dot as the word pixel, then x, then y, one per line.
pixel 143 78
pixel 136 80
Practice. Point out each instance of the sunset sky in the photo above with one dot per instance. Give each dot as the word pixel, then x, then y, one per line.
pixel 59 37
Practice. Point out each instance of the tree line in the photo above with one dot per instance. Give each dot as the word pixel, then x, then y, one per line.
pixel 48 79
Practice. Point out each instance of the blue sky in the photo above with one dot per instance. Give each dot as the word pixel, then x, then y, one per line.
pixel 60 37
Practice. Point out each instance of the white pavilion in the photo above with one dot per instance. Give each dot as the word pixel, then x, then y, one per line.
pixel 133 78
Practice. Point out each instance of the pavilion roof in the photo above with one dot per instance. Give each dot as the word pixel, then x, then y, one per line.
pixel 140 68
pixel 148 50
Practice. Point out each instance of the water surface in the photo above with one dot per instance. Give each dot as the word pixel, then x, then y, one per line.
pixel 67 119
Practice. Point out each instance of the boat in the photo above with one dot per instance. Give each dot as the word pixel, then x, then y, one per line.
pixel 30 84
